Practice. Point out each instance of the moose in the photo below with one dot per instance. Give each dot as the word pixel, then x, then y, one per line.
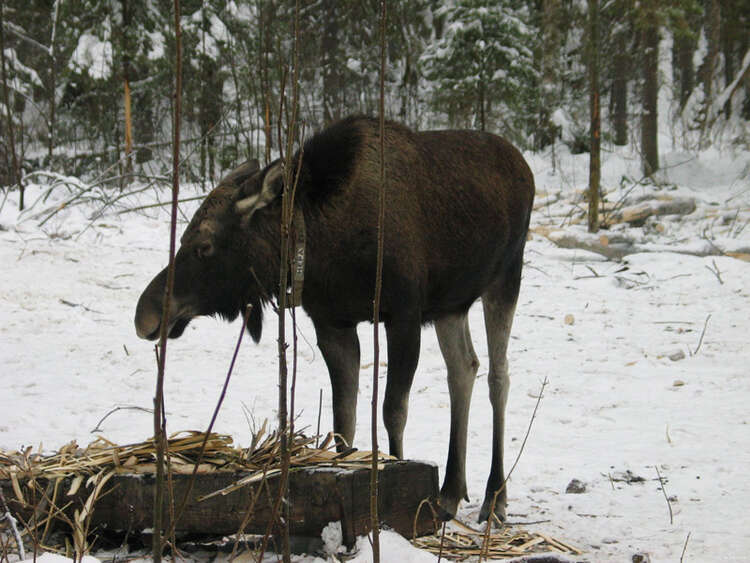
pixel 458 206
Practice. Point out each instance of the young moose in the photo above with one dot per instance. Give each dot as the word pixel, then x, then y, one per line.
pixel 458 205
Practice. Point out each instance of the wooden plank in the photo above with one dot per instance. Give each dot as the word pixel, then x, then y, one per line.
pixel 317 496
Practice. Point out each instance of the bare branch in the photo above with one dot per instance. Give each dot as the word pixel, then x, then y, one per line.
pixel 159 418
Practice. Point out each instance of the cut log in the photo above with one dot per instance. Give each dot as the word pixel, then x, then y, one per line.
pixel 317 497
pixel 636 215
pixel 615 246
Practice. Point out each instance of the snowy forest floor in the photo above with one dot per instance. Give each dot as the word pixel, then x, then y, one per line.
pixel 647 359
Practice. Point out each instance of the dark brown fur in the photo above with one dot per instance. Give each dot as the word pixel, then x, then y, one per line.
pixel 458 205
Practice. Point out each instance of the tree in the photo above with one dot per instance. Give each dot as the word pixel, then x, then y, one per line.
pixel 595 114
pixel 622 32
pixel 15 171
pixel 481 70
pixel 550 61
pixel 710 62
pixel 649 26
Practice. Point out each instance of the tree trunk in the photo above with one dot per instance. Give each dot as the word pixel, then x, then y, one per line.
pixel 53 82
pixel 331 65
pixel 551 43
pixel 649 115
pixel 481 102
pixel 685 47
pixel 128 125
pixel 126 52
pixel 267 10
pixel 713 29
pixel 595 114
pixel 620 90
pixel 16 170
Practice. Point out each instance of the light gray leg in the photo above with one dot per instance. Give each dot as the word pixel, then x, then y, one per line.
pixel 340 349
pixel 462 363
pixel 498 317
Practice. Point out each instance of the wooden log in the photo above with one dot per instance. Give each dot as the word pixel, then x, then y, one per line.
pixel 636 215
pixel 317 496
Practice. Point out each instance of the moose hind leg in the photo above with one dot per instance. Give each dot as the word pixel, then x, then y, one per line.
pixel 462 364
pixel 499 303
pixel 340 349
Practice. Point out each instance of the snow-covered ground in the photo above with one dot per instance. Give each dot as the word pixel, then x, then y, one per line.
pixel 600 334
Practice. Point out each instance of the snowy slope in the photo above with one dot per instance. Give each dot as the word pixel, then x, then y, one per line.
pixel 615 401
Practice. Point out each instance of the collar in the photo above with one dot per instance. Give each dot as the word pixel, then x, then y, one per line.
pixel 294 299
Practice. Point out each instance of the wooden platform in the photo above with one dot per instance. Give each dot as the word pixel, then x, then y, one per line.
pixel 318 496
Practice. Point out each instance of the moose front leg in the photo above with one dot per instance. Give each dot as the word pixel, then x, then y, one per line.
pixel 340 349
pixel 403 355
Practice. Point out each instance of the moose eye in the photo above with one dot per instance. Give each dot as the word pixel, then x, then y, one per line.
pixel 204 249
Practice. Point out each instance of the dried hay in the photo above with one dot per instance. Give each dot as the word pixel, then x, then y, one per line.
pixel 44 484
pixel 460 542
pixel 263 456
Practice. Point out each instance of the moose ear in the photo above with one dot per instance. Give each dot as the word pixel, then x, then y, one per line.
pixel 273 184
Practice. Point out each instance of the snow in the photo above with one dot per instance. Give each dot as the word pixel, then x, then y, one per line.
pixel 53 558
pixel 601 335
pixel 94 55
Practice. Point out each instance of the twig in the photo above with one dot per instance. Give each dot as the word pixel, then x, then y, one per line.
pixel 97 428
pixel 320 410
pixel 159 419
pixel 279 515
pixel 664 491
pixel 374 519
pixel 703 333
pixel 442 542
pixel 715 271
pixel 684 547
pixel 160 204
pixel 12 522
pixel 206 436
pixel 486 541
pixel 71 304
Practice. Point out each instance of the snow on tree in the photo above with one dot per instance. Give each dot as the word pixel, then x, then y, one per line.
pixel 481 68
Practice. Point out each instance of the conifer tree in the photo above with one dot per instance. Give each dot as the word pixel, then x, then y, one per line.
pixel 481 69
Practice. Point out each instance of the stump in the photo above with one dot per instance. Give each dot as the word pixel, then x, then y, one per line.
pixel 317 496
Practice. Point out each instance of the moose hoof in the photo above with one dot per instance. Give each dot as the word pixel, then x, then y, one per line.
pixel 484 514
pixel 447 508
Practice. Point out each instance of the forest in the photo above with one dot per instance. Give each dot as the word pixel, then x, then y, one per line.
pixel 88 84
